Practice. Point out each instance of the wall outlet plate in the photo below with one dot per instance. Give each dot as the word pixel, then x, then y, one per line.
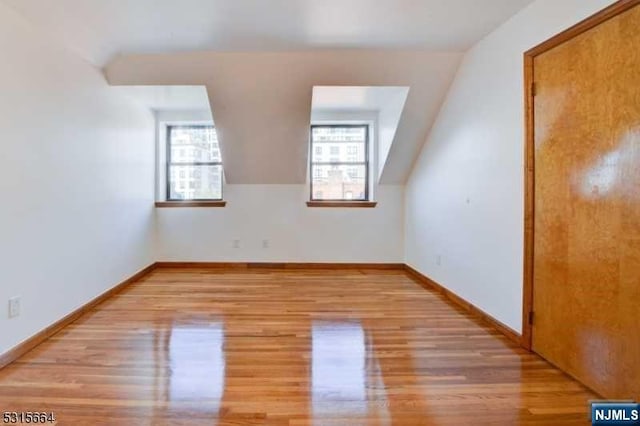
pixel 14 307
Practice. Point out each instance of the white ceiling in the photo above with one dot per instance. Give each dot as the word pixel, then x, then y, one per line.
pixel 101 29
pixel 168 98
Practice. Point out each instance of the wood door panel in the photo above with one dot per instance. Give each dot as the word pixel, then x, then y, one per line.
pixel 586 280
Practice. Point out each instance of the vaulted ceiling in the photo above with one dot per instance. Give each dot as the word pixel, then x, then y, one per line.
pixel 261 102
pixel 259 61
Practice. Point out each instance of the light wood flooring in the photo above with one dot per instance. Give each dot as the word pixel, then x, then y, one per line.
pixel 286 347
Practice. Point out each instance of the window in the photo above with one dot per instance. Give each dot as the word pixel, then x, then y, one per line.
pixel 188 178
pixel 343 177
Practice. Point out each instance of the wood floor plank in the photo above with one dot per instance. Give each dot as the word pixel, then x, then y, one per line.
pixel 286 347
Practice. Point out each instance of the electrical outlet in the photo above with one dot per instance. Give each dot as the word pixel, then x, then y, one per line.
pixel 14 307
pixel 439 260
pixel 265 243
pixel 236 243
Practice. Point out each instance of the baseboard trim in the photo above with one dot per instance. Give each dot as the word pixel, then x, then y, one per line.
pixel 33 341
pixel 280 265
pixel 430 284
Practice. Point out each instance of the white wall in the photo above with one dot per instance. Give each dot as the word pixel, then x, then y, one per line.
pixel 296 233
pixel 464 199
pixel 76 182
pixel 279 214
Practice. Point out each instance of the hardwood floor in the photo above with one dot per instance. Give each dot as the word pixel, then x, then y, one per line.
pixel 286 347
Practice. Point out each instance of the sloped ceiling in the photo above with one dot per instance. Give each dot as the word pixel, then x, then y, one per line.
pixel 261 102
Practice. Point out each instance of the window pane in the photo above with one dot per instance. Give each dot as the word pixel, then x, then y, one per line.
pixel 344 182
pixel 195 182
pixel 194 144
pixel 340 144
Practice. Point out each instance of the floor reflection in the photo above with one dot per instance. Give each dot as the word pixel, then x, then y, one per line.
pixel 343 370
pixel 197 363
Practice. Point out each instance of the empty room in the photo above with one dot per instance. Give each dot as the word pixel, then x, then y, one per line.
pixel 320 212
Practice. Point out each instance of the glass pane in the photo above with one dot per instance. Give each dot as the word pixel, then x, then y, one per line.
pixel 194 144
pixel 338 144
pixel 344 182
pixel 195 182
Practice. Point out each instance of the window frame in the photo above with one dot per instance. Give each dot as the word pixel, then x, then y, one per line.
pixel 365 163
pixel 168 164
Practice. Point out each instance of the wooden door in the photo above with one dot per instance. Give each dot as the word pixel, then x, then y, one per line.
pixel 586 241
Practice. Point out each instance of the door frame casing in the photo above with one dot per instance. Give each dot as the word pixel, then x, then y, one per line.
pixel 585 25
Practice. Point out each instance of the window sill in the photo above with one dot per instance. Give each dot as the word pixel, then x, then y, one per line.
pixel 343 204
pixel 170 204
